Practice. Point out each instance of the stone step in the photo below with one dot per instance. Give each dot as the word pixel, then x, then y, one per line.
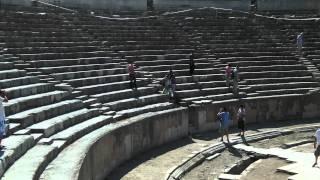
pixel 30 89
pixel 247 50
pixel 88 74
pixel 20 81
pixel 274 74
pixel 168 62
pixel 29 117
pixel 74 132
pixel 31 164
pixel 208 77
pixel 35 50
pixel 280 92
pixel 6 65
pixel 98 80
pixel 127 113
pixel 154 52
pixel 262 63
pixel 62 122
pixel 185 72
pixel 68 62
pixel 136 102
pixel 217 90
pixel 75 68
pixel 292 85
pixel 273 68
pixel 246 45
pixel 36 38
pixel 212 84
pixel 23 103
pixel 277 80
pixel 157 57
pixel 23 44
pixel 12 73
pixel 16 146
pixel 125 47
pixel 123 94
pixel 257 58
pixel 108 87
pixel 189 93
pixel 187 86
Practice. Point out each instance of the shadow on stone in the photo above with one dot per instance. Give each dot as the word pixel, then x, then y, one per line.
pixel 125 168
pixel 244 140
pixel 233 150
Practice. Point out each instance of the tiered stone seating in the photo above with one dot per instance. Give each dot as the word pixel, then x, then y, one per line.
pixel 42 113
pixel 266 58
pixel 311 38
pixel 68 76
pixel 113 90
pixel 156 46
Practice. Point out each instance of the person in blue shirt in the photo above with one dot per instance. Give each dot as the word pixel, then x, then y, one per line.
pixel 224 119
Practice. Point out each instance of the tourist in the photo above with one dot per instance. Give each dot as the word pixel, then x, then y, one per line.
pixel 172 78
pixel 316 146
pixel 166 83
pixel 300 42
pixel 228 74
pixel 191 63
pixel 235 79
pixel 132 75
pixel 224 118
pixel 3 98
pixel 241 116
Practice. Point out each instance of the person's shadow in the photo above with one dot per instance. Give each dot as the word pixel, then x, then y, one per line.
pixel 244 140
pixel 233 150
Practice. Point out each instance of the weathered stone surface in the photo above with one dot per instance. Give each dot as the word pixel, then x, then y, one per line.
pixel 229 177
pixel 16 146
pixel 31 164
pixel 136 135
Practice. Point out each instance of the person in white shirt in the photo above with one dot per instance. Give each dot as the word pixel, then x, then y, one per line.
pixel 3 98
pixel 316 146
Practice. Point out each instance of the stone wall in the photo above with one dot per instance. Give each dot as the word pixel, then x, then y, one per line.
pixel 183 4
pixel 179 4
pixel 259 109
pixel 127 139
pixel 95 155
pixel 288 4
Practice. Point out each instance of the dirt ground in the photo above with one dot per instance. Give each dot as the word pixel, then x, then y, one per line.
pixel 210 170
pixel 267 170
pixel 157 163
pixel 281 140
pixel 306 148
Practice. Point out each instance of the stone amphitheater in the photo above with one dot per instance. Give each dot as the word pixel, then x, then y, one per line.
pixel 72 114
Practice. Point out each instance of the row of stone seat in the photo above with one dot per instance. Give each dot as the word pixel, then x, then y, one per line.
pixel 47 115
pixel 38 110
pixel 104 80
pixel 271 62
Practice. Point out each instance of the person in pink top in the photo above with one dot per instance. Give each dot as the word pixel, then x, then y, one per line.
pixel 132 75
pixel 228 71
